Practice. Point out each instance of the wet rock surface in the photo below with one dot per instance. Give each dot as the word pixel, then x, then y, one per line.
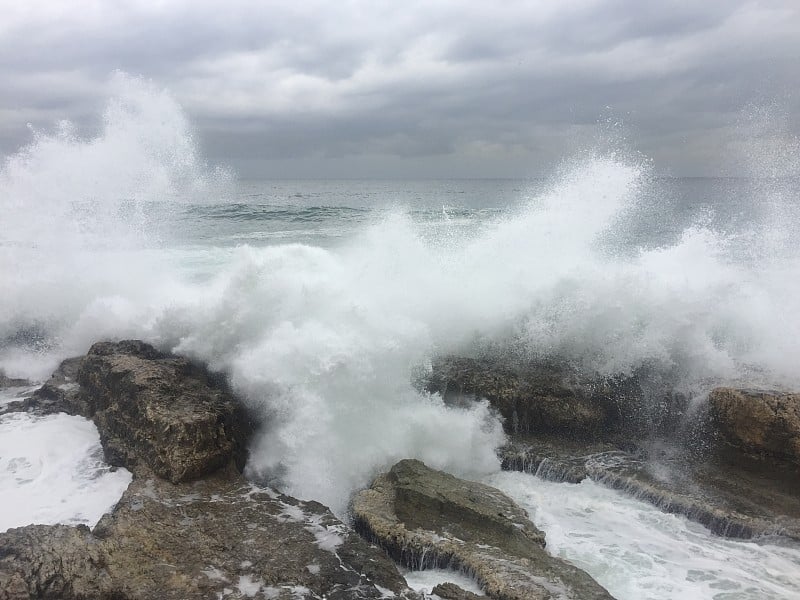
pixel 190 526
pixel 729 496
pixel 548 398
pixel 450 591
pixel 219 537
pixel 60 393
pixel 732 465
pixel 426 518
pixel 161 411
pixel 7 382
pixel 761 423
pixel 50 561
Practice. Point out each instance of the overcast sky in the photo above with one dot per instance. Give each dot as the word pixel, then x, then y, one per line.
pixel 394 88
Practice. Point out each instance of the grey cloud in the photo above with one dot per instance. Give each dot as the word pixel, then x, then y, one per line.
pixel 431 81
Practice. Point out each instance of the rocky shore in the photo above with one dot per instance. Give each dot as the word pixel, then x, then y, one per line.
pixel 426 518
pixel 191 526
pixel 733 465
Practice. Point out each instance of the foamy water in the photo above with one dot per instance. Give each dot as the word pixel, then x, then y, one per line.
pixel 640 553
pixel 425 581
pixel 128 234
pixel 52 471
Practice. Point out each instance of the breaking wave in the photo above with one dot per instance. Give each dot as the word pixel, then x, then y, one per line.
pixel 327 341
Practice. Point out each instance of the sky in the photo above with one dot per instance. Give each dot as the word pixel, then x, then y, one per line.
pixel 391 89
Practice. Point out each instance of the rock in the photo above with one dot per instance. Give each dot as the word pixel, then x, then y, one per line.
pixel 7 382
pixel 219 537
pixel 528 404
pixel 450 591
pixel 426 518
pixel 161 411
pixel 549 398
pixel 734 500
pixel 50 562
pixel 60 393
pixel 760 423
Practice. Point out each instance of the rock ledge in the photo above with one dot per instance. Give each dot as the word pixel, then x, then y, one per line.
pixel 426 518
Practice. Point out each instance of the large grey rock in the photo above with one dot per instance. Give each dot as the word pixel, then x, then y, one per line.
pixel 219 537
pixel 161 411
pixel 450 591
pixel 554 398
pixel 425 518
pixel 757 422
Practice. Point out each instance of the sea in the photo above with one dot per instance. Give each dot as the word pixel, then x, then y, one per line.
pixel 326 301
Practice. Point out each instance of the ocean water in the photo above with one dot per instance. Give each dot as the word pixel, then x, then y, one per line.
pixel 324 301
pixel 638 552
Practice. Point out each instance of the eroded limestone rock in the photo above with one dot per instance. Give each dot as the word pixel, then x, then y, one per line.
pixel 733 499
pixel 427 518
pixel 161 411
pixel 550 398
pixel 450 591
pixel 218 537
pixel 761 423
pixel 6 381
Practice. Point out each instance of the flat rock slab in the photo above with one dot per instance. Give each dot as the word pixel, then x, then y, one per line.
pixel 220 537
pixel 426 518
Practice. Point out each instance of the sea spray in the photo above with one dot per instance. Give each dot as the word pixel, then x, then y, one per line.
pixel 84 221
pixel 325 342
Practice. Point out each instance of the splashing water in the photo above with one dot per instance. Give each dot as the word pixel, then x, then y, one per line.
pixel 636 551
pixel 326 342
pixel 51 471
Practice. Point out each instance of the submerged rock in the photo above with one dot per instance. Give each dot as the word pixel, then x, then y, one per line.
pixel 161 411
pixel 427 518
pixel 760 423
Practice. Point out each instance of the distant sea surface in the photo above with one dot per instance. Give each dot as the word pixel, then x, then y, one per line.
pixel 325 212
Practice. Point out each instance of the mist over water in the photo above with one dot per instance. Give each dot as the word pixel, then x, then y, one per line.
pixel 113 236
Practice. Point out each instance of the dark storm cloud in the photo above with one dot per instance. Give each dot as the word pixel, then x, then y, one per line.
pixel 376 82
